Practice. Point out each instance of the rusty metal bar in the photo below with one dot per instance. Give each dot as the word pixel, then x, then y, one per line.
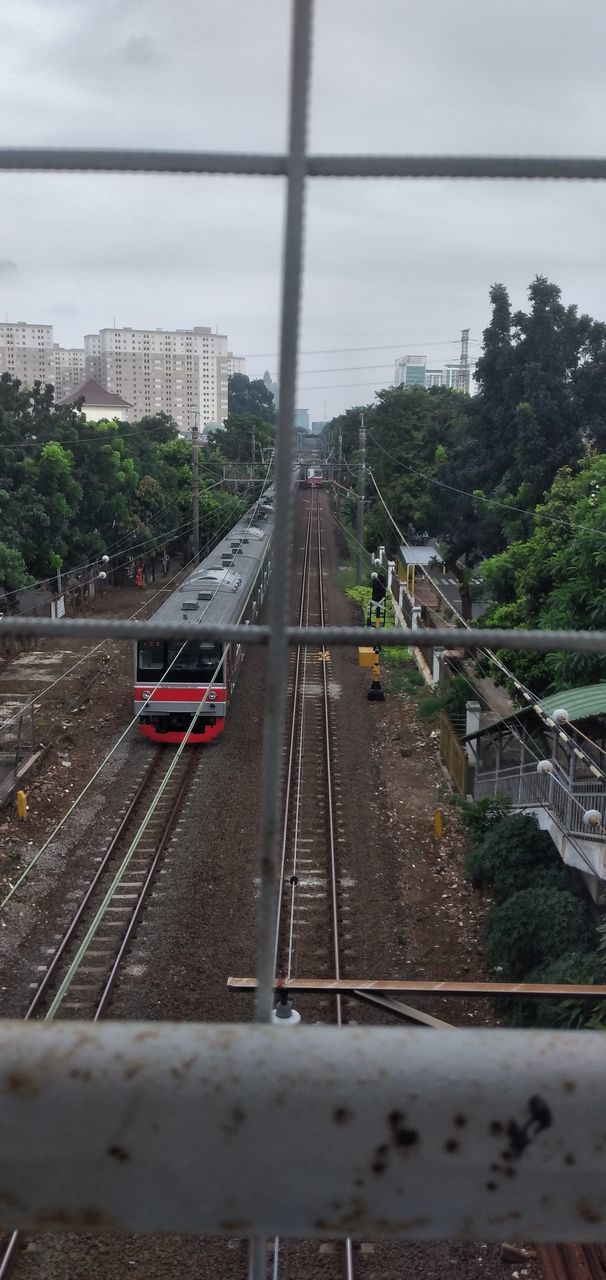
pixel 398 637
pixel 315 1132
pixel 437 988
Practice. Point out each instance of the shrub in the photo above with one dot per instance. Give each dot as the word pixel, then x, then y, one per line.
pixel 534 925
pixel 508 857
pixel 573 966
pixel 480 816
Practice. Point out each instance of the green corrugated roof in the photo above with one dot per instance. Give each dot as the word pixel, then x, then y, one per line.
pixel 580 704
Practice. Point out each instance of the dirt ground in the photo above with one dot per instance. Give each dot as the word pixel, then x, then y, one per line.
pixel 411 911
pixel 444 916
pixel 76 722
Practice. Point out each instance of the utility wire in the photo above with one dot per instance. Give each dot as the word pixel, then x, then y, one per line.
pixel 39 696
pixel 33 862
pixel 40 582
pixel 492 657
pixel 493 502
pixel 390 346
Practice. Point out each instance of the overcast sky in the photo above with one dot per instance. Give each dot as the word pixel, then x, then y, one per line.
pixel 392 268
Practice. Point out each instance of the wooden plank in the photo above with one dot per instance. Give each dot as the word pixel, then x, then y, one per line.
pixel 400 1010
pixel 442 988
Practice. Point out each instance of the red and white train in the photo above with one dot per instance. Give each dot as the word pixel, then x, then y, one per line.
pixel 171 677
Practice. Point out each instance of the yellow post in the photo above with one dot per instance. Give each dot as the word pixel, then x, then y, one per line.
pixel 438 824
pixel 21 804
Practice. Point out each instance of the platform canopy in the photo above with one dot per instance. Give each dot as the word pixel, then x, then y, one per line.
pixel 424 555
pixel 581 704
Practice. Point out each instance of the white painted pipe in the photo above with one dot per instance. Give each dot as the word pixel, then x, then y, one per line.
pixel 243 1130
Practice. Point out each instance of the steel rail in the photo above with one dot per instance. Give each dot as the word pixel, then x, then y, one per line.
pixel 329 795
pixel 146 888
pixel 291 750
pixel 298 713
pixel 314 524
pixel 396 637
pixel 9 1255
pixel 297 721
pixel 277 165
pixel 100 872
pixel 347 1244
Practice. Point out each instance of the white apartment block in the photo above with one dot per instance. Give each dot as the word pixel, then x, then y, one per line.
pixel 68 369
pixel 182 372
pixel 26 352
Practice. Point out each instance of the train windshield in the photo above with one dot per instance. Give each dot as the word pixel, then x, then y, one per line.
pixel 194 661
pixel 151 656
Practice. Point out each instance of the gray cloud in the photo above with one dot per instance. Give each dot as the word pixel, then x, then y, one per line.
pixel 7 266
pixel 386 262
pixel 140 51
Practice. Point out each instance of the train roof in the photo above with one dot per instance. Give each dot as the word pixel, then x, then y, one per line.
pixel 217 590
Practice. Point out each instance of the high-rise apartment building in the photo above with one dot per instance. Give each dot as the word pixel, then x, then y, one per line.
pixel 226 365
pixel 272 387
pixel 411 371
pixel 182 372
pixel 68 369
pixel 26 352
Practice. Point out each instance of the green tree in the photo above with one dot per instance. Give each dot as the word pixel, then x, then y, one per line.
pixel 234 442
pixel 246 396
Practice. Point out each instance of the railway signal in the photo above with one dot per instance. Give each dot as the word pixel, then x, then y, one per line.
pixel 376 618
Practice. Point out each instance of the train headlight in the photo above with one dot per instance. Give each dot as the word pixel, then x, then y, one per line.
pixel 212 697
pixel 146 694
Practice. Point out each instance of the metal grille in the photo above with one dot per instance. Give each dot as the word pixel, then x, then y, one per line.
pixel 457 1077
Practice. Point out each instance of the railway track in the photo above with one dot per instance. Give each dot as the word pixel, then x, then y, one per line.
pixel 309 911
pixel 87 963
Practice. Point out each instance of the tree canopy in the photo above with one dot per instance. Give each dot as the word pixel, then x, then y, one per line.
pixel 72 489
pixel 250 396
pixel 499 478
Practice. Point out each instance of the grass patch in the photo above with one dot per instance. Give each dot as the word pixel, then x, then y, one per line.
pixel 347 578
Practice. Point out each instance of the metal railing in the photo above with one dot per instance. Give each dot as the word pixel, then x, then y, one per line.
pixel 454 1117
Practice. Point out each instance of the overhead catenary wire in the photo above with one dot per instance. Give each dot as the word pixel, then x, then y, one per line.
pixel 495 502
pixel 492 657
pixel 123 538
pixel 119 875
pixel 36 858
pixel 43 692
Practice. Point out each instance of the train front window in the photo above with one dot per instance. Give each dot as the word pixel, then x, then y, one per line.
pixel 150 657
pixel 196 661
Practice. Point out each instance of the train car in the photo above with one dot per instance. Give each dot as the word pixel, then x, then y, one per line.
pixel 314 477
pixel 171 678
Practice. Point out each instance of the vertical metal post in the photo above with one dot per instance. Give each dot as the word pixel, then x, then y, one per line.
pixel 277 661
pixel 361 485
pixel 195 497
pixel 339 472
pixel 252 474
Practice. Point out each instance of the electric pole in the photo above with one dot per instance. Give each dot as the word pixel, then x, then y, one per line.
pixel 361 484
pixel 252 474
pixel 339 472
pixel 195 500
